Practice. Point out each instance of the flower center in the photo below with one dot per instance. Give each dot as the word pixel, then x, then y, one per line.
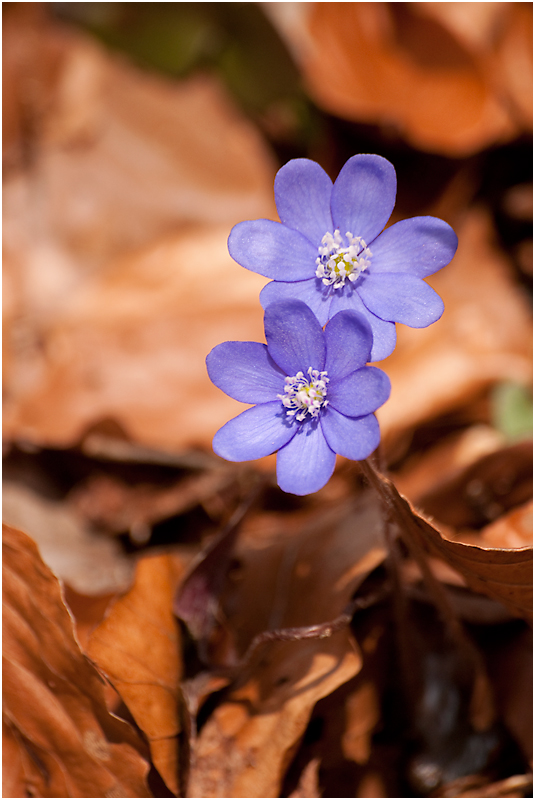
pixel 305 395
pixel 336 263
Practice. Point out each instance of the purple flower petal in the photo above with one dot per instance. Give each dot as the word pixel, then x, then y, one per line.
pixel 294 337
pixel 400 297
pixel 363 196
pixel 255 433
pixel 420 246
pixel 360 392
pixel 245 371
pixel 310 292
pixel 352 437
pixel 384 333
pixel 348 337
pixel 307 462
pixel 303 197
pixel 273 250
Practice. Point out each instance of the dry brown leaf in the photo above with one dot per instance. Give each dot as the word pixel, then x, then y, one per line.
pixel 477 786
pixel 69 745
pixel 247 743
pixel 483 337
pixel 89 563
pixel 132 346
pixel 503 574
pixel 284 579
pixel 444 78
pixel 484 491
pixel 137 646
pixel 13 780
pixel 423 471
pixel 136 179
pixel 114 505
pixel 123 156
pixel 514 529
pixel 308 785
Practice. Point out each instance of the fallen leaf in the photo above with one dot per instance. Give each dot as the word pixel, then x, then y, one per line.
pixel 514 529
pixel 245 746
pixel 477 786
pixel 131 346
pixel 284 579
pixel 91 564
pixel 430 76
pixel 138 647
pixel 70 746
pixel 13 778
pixel 308 785
pixel 483 491
pixel 503 574
pixel 422 472
pixel 138 177
pixel 150 153
pixel 112 504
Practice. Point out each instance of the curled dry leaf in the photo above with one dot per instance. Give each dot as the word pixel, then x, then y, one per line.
pixel 137 646
pixel 503 574
pixel 343 723
pixel 245 746
pixel 424 471
pixel 484 491
pixel 483 337
pixel 514 529
pixel 454 80
pixel 284 579
pixel 69 745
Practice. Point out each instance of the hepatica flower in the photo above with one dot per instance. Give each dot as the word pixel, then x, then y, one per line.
pixel 314 395
pixel 330 249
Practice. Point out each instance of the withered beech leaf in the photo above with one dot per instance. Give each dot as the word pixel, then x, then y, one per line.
pixel 283 578
pixel 514 529
pixel 401 66
pixel 247 743
pixel 503 574
pixel 138 178
pixel 483 491
pixel 54 708
pixel 137 646
pixel 131 344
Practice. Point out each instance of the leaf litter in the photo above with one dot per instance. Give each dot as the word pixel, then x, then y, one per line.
pixel 185 628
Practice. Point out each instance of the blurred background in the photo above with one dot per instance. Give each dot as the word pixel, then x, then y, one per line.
pixel 135 135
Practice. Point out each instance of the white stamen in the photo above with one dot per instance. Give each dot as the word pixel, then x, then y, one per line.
pixel 337 263
pixel 305 395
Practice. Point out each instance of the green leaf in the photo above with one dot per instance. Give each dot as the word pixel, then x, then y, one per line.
pixel 512 410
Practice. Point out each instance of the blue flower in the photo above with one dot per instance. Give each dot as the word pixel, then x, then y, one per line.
pixel 313 395
pixel 328 249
